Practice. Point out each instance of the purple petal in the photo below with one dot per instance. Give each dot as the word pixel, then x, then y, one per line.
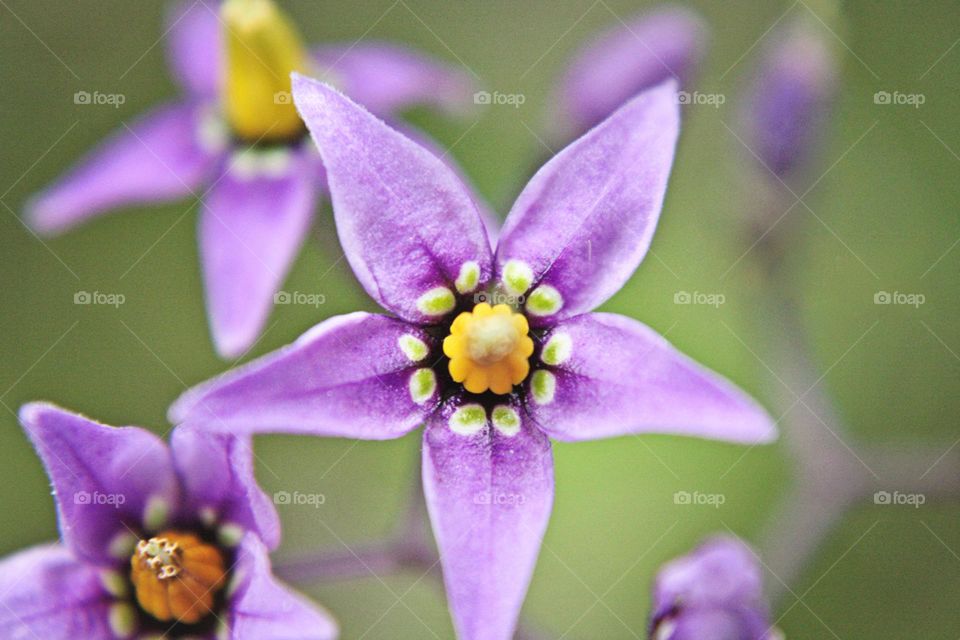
pixel 407 224
pixel 626 60
pixel 194 49
pixel 489 495
pixel 251 229
pixel 265 609
pixel 792 93
pixel 346 377
pixel 387 78
pixel 491 223
pixel 585 220
pixel 103 477
pixel 621 377
pixel 216 472
pixel 160 157
pixel 46 592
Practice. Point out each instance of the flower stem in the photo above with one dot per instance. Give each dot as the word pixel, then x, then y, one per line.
pixel 833 471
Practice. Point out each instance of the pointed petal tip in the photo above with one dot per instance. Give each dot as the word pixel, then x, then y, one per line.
pixel 178 411
pixel 39 218
pixel 231 345
pixel 32 413
pixel 759 428
pixel 302 84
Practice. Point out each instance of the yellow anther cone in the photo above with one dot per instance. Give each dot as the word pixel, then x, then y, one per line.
pixel 262 49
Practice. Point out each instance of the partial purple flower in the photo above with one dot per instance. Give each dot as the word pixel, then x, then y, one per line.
pixel 493 351
pixel 156 540
pixel 235 142
pixel 790 97
pixel 714 593
pixel 624 61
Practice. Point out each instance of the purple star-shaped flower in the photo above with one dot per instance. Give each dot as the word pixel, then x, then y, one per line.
pixel 714 593
pixel 258 199
pixel 156 540
pixel 491 382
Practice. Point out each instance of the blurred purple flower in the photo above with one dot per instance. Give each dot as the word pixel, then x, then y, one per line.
pixel 258 199
pixel 624 61
pixel 791 94
pixel 714 593
pixel 182 531
pixel 490 383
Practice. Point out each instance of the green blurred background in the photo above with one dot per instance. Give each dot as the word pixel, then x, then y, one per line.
pixel 891 201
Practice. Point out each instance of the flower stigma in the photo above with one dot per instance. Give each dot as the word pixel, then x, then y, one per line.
pixel 489 349
pixel 262 49
pixel 177 576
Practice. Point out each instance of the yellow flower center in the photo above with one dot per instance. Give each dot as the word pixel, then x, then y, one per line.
pixel 489 348
pixel 262 48
pixel 177 576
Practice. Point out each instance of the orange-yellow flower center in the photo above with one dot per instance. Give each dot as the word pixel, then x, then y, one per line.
pixel 177 576
pixel 489 348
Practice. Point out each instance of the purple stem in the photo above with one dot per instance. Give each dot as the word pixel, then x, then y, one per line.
pixel 832 470
pixel 408 549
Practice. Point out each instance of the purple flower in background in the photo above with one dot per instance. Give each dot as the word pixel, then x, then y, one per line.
pixel 155 541
pixel 493 351
pixel 714 593
pixel 791 95
pixel 235 141
pixel 624 61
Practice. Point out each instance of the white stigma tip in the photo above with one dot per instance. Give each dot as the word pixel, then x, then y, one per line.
pixel 436 302
pixel 543 385
pixel 544 301
pixel 558 349
pixel 423 384
pixel 413 347
pixel 468 419
pixel 517 277
pixel 506 420
pixel 469 277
